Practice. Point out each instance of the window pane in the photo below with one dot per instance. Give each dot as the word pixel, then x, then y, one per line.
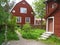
pixel 27 20
pixel 23 10
pixel 18 19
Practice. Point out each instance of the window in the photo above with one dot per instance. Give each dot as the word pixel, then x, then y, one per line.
pixel 13 11
pixel 27 20
pixel 19 20
pixel 31 12
pixel 23 10
pixel 23 2
pixel 53 5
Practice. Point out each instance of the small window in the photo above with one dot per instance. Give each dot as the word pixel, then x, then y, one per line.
pixel 19 20
pixel 31 12
pixel 13 11
pixel 23 2
pixel 23 10
pixel 53 5
pixel 27 20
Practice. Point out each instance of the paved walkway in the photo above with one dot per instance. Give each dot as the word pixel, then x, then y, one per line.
pixel 24 41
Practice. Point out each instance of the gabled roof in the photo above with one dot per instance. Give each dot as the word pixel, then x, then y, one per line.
pixel 50 14
pixel 18 3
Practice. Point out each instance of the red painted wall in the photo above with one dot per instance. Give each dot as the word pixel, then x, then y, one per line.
pixel 49 9
pixel 56 13
pixel 28 14
pixel 57 22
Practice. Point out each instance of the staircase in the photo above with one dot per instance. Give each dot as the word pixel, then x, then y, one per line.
pixel 46 35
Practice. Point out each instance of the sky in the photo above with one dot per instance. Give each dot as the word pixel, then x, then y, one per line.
pixel 29 1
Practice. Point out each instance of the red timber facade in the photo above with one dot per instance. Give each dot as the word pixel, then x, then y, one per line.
pixel 24 13
pixel 53 16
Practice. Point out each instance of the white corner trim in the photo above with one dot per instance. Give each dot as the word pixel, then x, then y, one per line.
pixel 47 25
pixel 48 22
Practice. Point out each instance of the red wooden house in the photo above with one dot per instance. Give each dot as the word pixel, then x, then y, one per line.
pixel 53 16
pixel 24 13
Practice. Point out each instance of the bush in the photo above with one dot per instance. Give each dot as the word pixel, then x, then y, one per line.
pixel 1 38
pixel 32 34
pixel 26 27
pixel 12 35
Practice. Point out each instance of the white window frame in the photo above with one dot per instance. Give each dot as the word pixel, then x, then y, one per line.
pixel 23 10
pixel 26 19
pixel 20 19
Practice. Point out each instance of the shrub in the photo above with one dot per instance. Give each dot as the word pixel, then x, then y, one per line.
pixel 32 34
pixel 12 35
pixel 1 38
pixel 26 27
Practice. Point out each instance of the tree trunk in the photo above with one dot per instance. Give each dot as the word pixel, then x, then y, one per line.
pixel 5 34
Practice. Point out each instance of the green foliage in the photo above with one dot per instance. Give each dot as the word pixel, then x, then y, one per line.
pixel 26 27
pixel 12 23
pixel 32 34
pixel 1 38
pixel 7 20
pixel 39 6
pixel 4 16
pixel 12 35
pixel 53 40
pixel 3 0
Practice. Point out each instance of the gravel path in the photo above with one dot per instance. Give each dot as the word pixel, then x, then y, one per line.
pixel 25 41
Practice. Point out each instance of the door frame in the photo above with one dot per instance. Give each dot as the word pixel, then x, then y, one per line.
pixel 48 22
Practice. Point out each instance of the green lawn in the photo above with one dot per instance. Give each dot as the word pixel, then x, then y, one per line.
pixel 10 36
pixel 53 40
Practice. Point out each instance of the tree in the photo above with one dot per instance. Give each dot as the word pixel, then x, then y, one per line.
pixel 39 6
pixel 6 4
pixel 5 16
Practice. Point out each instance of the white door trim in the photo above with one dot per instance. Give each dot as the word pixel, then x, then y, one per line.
pixel 47 24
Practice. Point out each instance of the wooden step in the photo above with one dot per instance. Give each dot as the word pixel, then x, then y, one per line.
pixel 46 35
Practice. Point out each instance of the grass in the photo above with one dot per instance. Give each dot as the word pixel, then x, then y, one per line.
pixel 10 36
pixel 32 34
pixel 53 40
